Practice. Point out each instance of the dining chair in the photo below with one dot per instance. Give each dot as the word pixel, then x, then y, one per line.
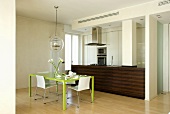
pixel 84 84
pixel 44 84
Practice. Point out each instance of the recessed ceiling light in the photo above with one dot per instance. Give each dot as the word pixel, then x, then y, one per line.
pixel 158 16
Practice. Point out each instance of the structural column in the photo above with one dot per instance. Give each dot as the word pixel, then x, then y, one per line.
pixel 129 43
pixel 150 57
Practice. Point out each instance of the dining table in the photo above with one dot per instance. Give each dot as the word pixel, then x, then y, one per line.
pixel 64 79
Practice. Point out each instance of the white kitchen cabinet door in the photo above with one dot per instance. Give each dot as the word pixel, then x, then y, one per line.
pixel 104 38
pixel 92 55
pixel 90 52
pixel 85 50
pixel 120 48
pixel 113 48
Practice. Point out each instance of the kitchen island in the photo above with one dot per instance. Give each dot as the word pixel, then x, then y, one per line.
pixel 127 81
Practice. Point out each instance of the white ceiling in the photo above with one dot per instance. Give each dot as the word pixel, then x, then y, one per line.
pixel 69 10
pixel 163 17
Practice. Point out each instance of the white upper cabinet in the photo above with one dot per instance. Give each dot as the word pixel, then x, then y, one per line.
pixel 104 38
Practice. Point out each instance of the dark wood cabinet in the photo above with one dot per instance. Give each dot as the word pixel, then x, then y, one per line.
pixel 127 81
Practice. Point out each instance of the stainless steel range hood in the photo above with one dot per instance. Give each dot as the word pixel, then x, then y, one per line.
pixel 96 37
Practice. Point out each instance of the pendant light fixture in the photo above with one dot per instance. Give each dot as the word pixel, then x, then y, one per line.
pixel 56 43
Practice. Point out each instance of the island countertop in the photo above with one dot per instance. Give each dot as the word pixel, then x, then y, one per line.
pixel 128 81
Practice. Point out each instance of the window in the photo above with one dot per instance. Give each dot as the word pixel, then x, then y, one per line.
pixel 71 50
pixel 75 50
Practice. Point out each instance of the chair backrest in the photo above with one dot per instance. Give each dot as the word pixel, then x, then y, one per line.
pixel 40 81
pixel 84 83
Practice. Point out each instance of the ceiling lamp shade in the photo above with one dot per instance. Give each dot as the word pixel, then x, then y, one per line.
pixel 56 43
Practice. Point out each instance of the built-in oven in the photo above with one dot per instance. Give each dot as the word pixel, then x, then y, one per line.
pixel 102 51
pixel 101 56
pixel 101 60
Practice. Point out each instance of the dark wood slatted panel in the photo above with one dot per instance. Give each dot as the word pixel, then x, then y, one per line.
pixel 127 81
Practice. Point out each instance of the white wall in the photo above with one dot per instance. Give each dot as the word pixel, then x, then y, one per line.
pixel 32 47
pixel 7 58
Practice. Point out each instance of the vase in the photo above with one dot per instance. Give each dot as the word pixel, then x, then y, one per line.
pixel 57 74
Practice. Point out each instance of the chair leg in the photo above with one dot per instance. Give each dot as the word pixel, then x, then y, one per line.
pixel 78 99
pixel 57 87
pixel 91 95
pixel 35 93
pixel 49 90
pixel 67 93
pixel 58 97
pixel 44 96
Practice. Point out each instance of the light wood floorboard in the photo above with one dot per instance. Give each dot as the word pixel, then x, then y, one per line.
pixel 104 103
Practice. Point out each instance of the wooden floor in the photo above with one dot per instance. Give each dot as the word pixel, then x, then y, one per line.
pixel 104 103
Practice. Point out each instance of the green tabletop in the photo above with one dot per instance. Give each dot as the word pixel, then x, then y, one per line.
pixel 63 79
